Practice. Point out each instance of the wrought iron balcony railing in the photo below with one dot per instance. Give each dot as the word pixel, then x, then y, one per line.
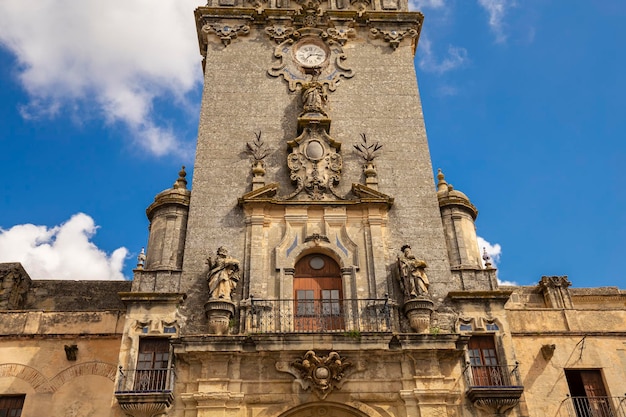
pixel 145 380
pixel 318 315
pixel 493 376
pixel 593 407
pixel 495 388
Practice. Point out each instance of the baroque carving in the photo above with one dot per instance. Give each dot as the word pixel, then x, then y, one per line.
pixel 394 36
pixel 328 73
pixel 226 32
pixel 321 373
pixel 341 34
pixel 315 164
pixel 279 33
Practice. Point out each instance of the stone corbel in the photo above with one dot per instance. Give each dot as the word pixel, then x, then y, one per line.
pixel 394 36
pixel 226 32
pixel 341 34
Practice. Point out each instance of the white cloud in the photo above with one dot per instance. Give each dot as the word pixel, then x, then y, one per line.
pixel 456 57
pixel 111 57
pixel 61 252
pixel 496 10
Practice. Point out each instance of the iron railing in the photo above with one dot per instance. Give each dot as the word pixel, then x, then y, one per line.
pixel 493 376
pixel 145 380
pixel 593 407
pixel 318 315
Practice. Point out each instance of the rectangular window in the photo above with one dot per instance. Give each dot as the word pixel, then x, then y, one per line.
pixel 330 303
pixel 11 405
pixel 306 302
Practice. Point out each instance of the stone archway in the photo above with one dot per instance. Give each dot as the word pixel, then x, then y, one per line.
pixel 324 409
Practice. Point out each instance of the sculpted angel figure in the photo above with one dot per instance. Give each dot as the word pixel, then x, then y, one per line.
pixel 223 275
pixel 413 279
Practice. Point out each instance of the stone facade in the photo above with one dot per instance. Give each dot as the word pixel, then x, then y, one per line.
pixel 315 269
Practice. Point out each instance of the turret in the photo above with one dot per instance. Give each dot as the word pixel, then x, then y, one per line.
pixel 168 226
pixel 458 215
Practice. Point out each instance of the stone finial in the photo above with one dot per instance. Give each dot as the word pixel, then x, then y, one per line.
pixel 486 258
pixel 141 259
pixel 442 185
pixel 258 151
pixel 181 182
pixel 367 151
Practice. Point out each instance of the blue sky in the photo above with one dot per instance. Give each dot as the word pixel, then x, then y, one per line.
pixel 523 103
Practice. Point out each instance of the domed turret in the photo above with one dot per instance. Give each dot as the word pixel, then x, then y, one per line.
pixel 458 215
pixel 168 226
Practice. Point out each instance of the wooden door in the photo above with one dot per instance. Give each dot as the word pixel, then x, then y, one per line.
pixel 598 402
pixel 152 364
pixel 318 294
pixel 486 370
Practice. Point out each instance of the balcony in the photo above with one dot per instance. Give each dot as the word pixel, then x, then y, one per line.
pixel 318 315
pixel 494 388
pixel 593 407
pixel 145 392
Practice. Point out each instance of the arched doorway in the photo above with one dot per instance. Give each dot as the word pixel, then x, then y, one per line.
pixel 318 294
pixel 327 409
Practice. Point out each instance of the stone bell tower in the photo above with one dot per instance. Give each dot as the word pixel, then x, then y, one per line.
pixel 311 139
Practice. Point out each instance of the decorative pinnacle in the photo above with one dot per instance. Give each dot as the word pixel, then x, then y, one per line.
pixel 258 150
pixel 141 259
pixel 181 182
pixel 442 185
pixel 367 152
pixel 486 258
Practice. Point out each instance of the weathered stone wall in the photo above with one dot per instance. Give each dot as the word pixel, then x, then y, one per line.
pixel 75 295
pixel 33 361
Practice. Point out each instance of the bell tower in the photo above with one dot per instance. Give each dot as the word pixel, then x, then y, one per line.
pixel 311 139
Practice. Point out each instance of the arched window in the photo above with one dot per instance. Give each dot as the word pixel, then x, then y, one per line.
pixel 318 294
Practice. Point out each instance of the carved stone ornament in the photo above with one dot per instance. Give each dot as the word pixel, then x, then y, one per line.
pixel 279 33
pixel 322 374
pixel 361 5
pixel 394 36
pixel 329 70
pixel 315 164
pixel 226 32
pixel 341 33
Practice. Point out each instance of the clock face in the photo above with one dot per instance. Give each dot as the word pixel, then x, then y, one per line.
pixel 310 55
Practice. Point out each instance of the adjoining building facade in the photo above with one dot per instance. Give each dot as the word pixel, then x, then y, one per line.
pixel 316 267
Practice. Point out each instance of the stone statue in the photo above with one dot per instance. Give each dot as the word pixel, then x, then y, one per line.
pixel 223 276
pixel 413 279
pixel 313 97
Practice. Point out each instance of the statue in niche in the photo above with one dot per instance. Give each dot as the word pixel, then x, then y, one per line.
pixel 223 276
pixel 313 96
pixel 413 279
